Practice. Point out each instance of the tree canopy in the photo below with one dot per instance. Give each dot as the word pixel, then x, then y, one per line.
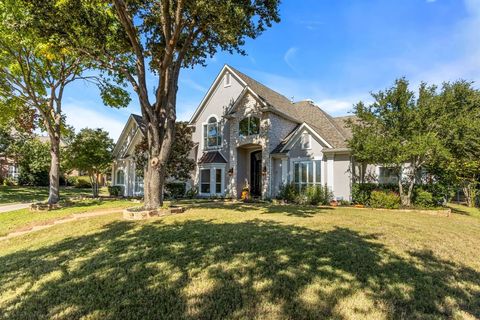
pixel 437 130
pixel 129 39
pixel 90 151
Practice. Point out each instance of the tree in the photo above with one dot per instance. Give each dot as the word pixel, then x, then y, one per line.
pixel 91 151
pixel 458 117
pixel 398 131
pixel 34 72
pixel 33 159
pixel 179 166
pixel 130 38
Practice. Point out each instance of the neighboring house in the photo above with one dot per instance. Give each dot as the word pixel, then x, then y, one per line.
pixel 8 168
pixel 247 134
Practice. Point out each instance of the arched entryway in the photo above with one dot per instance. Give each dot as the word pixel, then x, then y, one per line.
pixel 249 169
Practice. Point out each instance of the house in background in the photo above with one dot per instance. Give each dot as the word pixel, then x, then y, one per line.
pixel 248 134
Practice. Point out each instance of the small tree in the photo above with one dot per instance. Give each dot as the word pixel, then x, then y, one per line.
pixel 33 159
pixel 399 131
pixel 179 165
pixel 90 151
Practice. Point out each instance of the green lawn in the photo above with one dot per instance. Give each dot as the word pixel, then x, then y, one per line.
pixel 21 219
pixel 31 194
pixel 247 262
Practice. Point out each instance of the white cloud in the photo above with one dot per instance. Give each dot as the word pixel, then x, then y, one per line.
pixel 290 56
pixel 81 116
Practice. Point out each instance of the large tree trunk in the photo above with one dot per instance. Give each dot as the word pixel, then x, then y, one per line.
pixel 153 187
pixel 160 139
pixel 54 175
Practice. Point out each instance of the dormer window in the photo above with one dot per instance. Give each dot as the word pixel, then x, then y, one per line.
pixel 226 80
pixel 249 126
pixel 305 141
pixel 211 134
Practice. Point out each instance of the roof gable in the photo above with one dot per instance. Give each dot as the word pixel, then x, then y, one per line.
pixel 211 91
pixel 134 123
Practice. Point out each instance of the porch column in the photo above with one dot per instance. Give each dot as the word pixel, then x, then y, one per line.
pixel 330 159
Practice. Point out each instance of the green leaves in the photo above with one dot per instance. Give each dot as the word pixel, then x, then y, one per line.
pixel 90 150
pixel 439 130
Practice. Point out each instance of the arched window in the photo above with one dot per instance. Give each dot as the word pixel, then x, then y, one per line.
pixel 211 133
pixel 248 126
pixel 120 177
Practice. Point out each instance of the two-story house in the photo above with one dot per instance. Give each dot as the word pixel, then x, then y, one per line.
pixel 247 134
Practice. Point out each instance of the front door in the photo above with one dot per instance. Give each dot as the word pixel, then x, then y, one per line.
pixel 256 173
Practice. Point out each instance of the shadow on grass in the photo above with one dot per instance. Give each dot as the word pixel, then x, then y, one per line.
pixel 15 194
pixel 289 210
pixel 205 270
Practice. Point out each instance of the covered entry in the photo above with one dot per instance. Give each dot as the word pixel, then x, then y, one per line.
pixel 249 169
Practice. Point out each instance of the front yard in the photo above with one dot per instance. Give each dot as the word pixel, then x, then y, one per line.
pixel 31 194
pixel 220 261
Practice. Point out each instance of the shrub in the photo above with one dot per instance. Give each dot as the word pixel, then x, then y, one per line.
pixel 318 195
pixel 83 183
pixel 313 195
pixel 288 192
pixel 384 199
pixel 37 179
pixel 191 193
pixel 115 191
pixel 424 199
pixel 344 203
pixel 361 192
pixel 71 180
pixel 440 193
pixel 175 190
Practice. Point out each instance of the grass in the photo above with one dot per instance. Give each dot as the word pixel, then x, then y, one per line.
pixel 18 194
pixel 14 220
pixel 222 261
pixel 460 209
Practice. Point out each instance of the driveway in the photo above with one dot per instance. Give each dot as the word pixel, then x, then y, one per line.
pixel 13 207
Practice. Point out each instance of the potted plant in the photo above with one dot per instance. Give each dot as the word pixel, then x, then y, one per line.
pixel 246 191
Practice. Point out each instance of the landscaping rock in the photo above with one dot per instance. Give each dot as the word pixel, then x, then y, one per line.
pixel 136 214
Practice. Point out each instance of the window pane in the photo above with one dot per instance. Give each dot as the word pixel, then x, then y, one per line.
pixel 310 171
pixel 254 125
pixel 318 171
pixel 243 127
pixel 205 188
pixel 303 175
pixel 297 172
pixel 205 175
pixel 205 141
pixel 205 181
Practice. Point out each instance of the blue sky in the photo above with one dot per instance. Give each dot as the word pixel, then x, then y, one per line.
pixel 332 51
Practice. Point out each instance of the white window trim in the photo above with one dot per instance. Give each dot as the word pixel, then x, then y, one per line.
pixel 291 178
pixel 124 177
pixel 207 148
pixel 227 76
pixel 212 167
pixel 302 144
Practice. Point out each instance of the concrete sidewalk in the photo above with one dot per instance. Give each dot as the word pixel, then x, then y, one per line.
pixel 13 207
